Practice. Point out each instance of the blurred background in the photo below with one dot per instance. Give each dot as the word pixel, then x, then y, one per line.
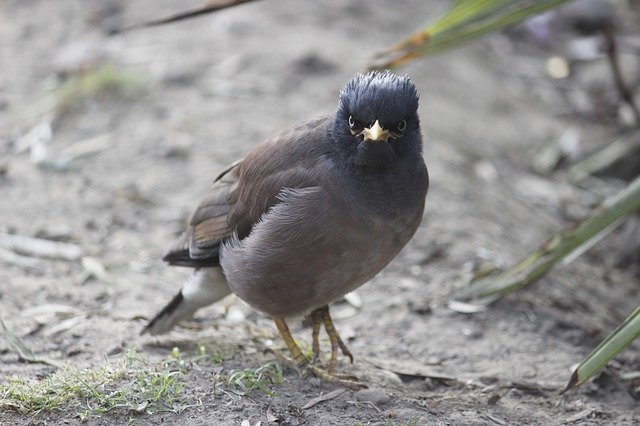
pixel 109 138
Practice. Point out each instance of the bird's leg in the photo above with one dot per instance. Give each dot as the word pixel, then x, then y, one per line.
pixel 293 347
pixel 316 321
pixel 334 338
pixel 303 362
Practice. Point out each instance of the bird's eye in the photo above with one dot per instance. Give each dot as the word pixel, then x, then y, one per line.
pixel 402 126
pixel 355 125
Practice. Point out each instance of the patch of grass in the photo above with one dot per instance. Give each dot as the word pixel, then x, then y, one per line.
pixel 244 382
pixel 132 385
pixel 105 80
pixel 218 356
pixel 306 348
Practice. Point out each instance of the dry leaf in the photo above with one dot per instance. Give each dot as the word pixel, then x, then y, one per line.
pixel 93 267
pixel 580 416
pixel 353 299
pixel 44 314
pixel 411 368
pixel 272 418
pixel 64 325
pixel 322 398
pixel 465 308
pixel 24 353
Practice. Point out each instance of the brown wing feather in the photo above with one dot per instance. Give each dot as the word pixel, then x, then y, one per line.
pixel 209 225
pixel 286 160
pixel 247 189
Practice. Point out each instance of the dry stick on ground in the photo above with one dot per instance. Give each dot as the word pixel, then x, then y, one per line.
pixel 623 89
pixel 38 247
pixel 605 157
pixel 209 7
pixel 573 241
pixel 326 397
pixel 24 353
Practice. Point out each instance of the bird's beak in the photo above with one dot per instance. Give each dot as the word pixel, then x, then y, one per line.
pixel 375 133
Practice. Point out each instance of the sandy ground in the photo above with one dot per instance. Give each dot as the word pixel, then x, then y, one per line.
pixel 211 88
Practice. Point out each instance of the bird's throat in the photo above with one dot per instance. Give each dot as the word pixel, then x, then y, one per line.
pixel 375 154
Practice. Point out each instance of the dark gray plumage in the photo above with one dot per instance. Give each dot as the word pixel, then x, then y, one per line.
pixel 311 213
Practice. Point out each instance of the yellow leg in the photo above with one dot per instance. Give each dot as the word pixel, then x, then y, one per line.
pixel 316 321
pixel 303 362
pixel 293 347
pixel 334 338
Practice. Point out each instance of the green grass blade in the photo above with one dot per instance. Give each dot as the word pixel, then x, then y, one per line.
pixel 601 221
pixel 24 353
pixel 615 343
pixel 466 20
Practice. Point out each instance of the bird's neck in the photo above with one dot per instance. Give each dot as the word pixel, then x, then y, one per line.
pixel 388 191
pixel 375 155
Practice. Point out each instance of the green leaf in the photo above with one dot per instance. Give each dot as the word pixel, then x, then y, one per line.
pixel 560 247
pixel 466 20
pixel 615 343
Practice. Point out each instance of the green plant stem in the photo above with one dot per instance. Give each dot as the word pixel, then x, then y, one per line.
pixel 466 20
pixel 615 343
pixel 602 220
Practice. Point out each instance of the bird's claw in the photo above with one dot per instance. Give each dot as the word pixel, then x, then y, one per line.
pixel 347 381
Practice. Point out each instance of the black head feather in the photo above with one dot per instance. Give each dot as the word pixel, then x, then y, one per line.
pixel 380 95
pixel 388 98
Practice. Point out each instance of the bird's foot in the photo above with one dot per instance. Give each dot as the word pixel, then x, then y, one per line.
pixel 309 369
pixel 283 359
pixel 306 367
pixel 345 380
pixel 319 316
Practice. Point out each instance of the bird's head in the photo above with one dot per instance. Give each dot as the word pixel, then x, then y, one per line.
pixel 377 123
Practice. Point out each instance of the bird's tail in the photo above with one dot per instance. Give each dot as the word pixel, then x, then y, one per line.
pixel 206 286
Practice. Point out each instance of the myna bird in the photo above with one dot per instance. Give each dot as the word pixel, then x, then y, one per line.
pixel 310 214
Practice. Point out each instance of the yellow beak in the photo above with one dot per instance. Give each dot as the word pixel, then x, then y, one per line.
pixel 375 133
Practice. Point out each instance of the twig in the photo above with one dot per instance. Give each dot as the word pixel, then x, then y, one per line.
pixel 414 369
pixel 40 248
pixel 209 7
pixel 87 147
pixel 614 61
pixel 326 397
pixel 12 258
pixel 605 157
pixel 494 419
pixel 24 353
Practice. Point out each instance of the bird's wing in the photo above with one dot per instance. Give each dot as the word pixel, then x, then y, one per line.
pixel 198 246
pixel 246 190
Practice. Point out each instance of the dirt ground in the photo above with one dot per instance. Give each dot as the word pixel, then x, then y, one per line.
pixel 202 93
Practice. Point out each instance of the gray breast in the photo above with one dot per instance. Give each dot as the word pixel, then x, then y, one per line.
pixel 312 248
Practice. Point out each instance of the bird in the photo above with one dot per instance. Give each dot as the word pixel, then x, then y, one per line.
pixel 310 214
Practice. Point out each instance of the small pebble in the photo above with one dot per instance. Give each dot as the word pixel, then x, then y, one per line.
pixel 493 399
pixel 74 352
pixel 376 396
